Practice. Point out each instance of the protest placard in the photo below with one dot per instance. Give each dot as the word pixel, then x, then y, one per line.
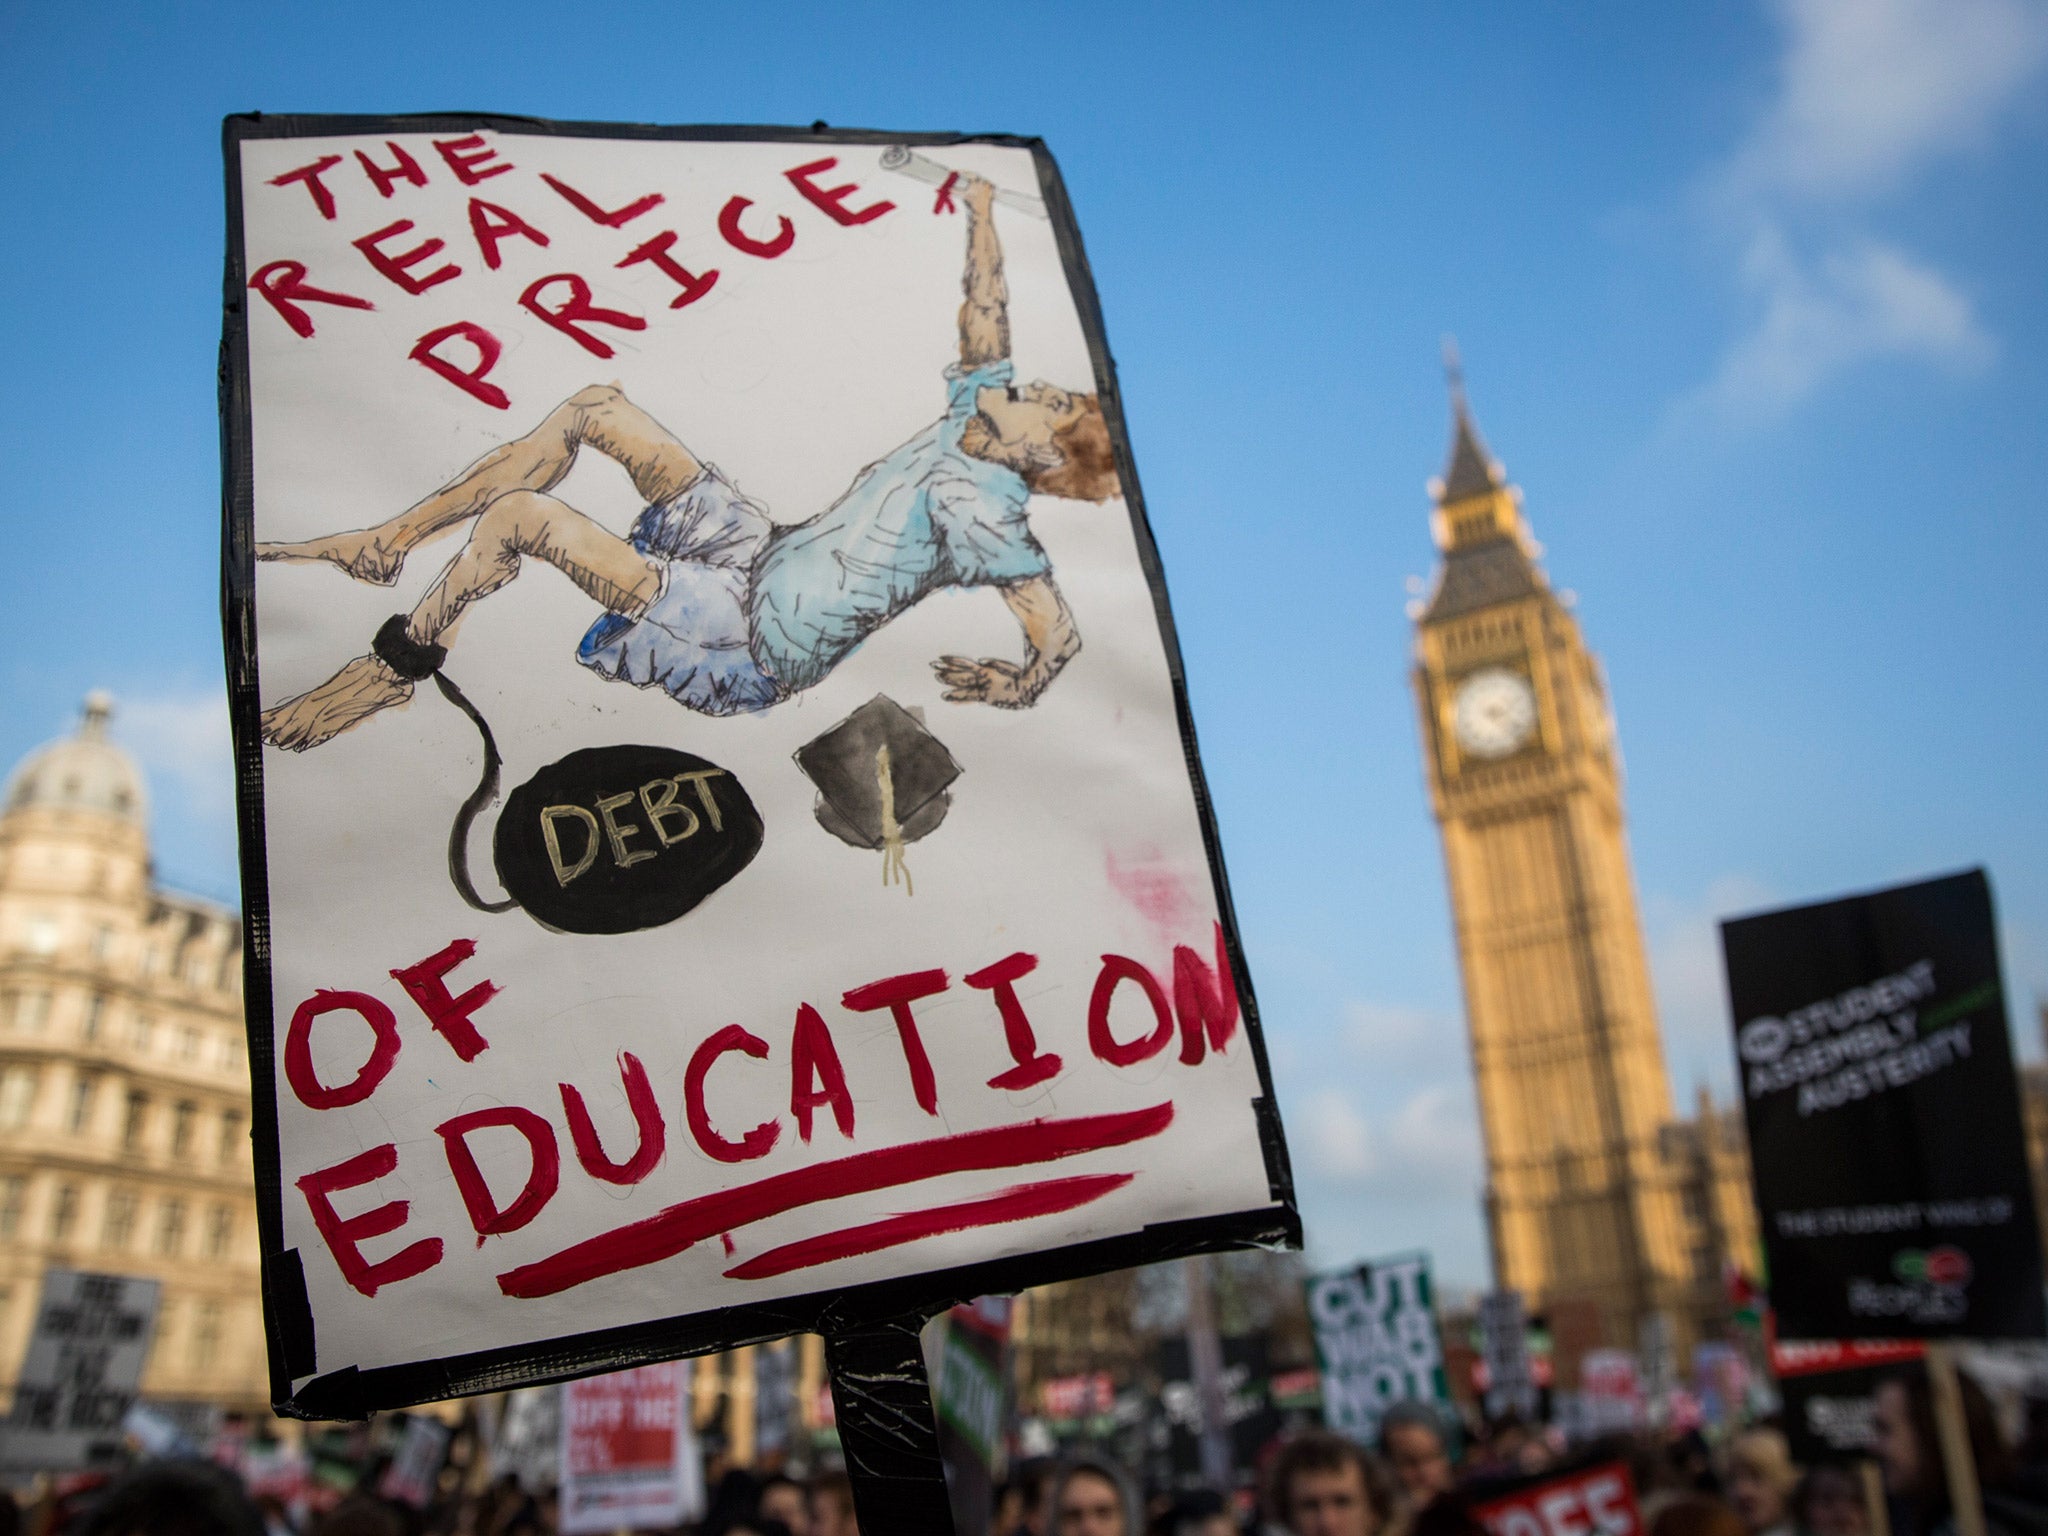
pixel 1376 1339
pixel 1829 1390
pixel 723 840
pixel 971 1396
pixel 1885 1138
pixel 414 1474
pixel 1504 1349
pixel 628 1455
pixel 80 1373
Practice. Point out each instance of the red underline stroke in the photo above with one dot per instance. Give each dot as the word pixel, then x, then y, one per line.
pixel 667 1233
pixel 1018 1203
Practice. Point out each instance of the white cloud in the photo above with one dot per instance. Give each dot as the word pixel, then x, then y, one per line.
pixel 1434 1139
pixel 2026 972
pixel 1426 1146
pixel 1338 1140
pixel 1818 317
pixel 1869 95
pixel 1684 940
pixel 1386 1137
pixel 1390 1034
pixel 1871 92
pixel 181 738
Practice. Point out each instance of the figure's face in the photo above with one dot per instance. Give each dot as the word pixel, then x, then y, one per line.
pixel 1023 419
pixel 1330 1502
pixel 1089 1506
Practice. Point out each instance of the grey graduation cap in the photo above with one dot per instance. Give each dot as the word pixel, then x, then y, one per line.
pixel 879 765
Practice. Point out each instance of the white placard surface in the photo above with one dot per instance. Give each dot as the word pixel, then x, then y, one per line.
pixel 730 825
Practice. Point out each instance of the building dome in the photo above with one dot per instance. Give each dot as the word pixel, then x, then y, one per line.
pixel 82 772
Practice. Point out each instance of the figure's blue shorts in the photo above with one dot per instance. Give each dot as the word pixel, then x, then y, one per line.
pixel 693 639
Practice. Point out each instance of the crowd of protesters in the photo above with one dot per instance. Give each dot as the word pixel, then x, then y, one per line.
pixel 1418 1480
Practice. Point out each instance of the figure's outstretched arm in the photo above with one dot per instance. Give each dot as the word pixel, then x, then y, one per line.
pixel 985 316
pixel 1050 642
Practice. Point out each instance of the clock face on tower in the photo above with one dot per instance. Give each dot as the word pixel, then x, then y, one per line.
pixel 1493 712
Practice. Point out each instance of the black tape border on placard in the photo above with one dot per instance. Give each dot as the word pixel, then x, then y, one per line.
pixel 288 1319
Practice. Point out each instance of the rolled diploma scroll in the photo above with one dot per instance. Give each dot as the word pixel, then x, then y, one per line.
pixel 907 162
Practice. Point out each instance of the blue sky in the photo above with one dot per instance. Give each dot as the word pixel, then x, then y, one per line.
pixel 1752 302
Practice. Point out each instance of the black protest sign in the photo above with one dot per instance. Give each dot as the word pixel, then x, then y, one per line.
pixel 718 795
pixel 1174 1412
pixel 1829 1391
pixel 1884 1120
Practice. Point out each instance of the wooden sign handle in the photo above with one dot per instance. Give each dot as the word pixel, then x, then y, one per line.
pixel 1965 1498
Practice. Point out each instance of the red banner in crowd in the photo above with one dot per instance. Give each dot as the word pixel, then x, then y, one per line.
pixel 1810 1357
pixel 1599 1500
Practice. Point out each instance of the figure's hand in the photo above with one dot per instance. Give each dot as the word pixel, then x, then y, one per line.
pixel 988 681
pixel 977 192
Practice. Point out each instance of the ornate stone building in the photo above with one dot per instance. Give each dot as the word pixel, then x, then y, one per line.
pixel 1599 1204
pixel 124 1083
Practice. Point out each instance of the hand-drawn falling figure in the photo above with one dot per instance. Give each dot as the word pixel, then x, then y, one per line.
pixel 708 598
pixel 883 781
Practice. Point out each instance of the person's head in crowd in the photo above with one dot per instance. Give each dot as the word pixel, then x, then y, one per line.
pixel 1761 1478
pixel 1696 1515
pixel 1089 1499
pixel 2033 1447
pixel 359 1515
pixel 1448 1514
pixel 1324 1485
pixel 1020 1502
pixel 1201 1512
pixel 523 1515
pixel 1412 1444
pixel 10 1515
pixel 782 1499
pixel 275 1519
pixel 1504 1445
pixel 734 1494
pixel 172 1498
pixel 1830 1500
pixel 832 1505
pixel 1909 1447
pixel 1692 1463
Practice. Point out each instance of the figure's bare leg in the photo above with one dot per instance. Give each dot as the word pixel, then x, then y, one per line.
pixel 517 524
pixel 600 417
pixel 525 523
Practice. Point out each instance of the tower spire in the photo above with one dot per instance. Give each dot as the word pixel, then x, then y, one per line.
pixel 1469 471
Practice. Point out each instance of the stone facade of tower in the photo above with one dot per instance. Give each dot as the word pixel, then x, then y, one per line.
pixel 124 1083
pixel 1589 1183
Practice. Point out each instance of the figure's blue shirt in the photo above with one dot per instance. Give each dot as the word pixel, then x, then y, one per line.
pixel 928 516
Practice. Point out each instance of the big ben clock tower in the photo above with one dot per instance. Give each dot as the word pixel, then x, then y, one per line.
pixel 1581 1211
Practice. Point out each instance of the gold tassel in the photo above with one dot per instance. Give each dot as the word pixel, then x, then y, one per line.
pixel 893 866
